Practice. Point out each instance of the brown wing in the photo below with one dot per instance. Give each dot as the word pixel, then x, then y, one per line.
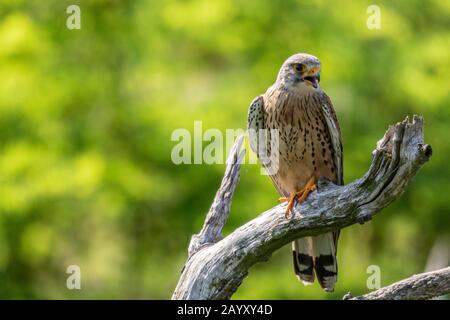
pixel 256 121
pixel 335 134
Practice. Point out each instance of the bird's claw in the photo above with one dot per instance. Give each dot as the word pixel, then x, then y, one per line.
pixel 298 197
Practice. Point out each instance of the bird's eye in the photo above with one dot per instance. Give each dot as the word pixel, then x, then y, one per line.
pixel 300 67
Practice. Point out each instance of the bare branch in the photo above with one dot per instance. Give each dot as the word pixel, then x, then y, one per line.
pixel 220 208
pixel 216 270
pixel 418 287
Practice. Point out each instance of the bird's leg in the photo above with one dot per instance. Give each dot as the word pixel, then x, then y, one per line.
pixel 299 196
pixel 310 187
pixel 291 201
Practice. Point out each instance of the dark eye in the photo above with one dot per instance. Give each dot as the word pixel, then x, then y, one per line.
pixel 300 67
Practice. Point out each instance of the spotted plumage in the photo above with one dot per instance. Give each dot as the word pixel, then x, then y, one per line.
pixel 308 148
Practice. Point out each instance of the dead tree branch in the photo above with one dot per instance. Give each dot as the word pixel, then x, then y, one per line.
pixel 418 287
pixel 216 266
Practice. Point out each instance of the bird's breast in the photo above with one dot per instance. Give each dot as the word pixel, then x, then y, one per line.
pixel 304 144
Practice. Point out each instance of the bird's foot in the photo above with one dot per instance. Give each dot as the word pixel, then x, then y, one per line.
pixel 310 187
pixel 291 202
pixel 300 196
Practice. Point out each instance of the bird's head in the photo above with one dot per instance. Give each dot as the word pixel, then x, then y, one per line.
pixel 300 72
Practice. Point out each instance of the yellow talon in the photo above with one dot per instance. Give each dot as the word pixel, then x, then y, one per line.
pixel 300 196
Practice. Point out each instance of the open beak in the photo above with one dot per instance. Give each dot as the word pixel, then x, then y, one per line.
pixel 313 77
pixel 313 80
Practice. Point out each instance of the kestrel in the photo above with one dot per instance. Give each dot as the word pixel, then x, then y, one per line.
pixel 309 147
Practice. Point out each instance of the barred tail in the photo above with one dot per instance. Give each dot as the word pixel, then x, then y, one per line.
pixel 316 256
pixel 303 260
pixel 325 263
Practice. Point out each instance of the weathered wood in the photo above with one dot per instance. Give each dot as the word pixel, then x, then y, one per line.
pixel 220 208
pixel 418 287
pixel 217 266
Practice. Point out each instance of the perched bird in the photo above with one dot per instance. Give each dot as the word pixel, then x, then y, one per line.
pixel 308 147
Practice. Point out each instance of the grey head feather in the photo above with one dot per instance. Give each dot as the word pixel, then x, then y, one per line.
pixel 287 77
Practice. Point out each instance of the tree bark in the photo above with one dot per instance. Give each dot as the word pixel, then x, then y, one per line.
pixel 418 287
pixel 216 266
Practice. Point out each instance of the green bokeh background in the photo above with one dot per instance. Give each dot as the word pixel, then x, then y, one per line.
pixel 86 118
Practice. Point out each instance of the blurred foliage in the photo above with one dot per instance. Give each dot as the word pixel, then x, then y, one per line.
pixel 86 118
